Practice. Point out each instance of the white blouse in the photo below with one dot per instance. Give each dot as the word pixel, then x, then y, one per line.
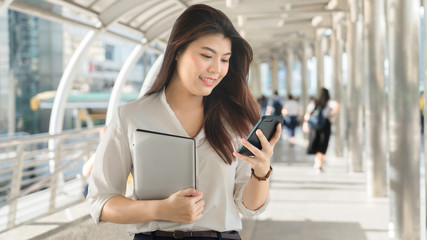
pixel 292 107
pixel 327 111
pixel 222 184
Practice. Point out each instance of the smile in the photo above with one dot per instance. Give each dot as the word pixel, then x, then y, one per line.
pixel 207 81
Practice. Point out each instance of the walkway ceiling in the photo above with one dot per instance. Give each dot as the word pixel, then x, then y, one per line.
pixel 271 26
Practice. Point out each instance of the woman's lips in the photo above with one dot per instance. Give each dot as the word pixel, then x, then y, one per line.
pixel 208 81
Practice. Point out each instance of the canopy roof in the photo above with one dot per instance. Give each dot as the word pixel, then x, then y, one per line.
pixel 270 26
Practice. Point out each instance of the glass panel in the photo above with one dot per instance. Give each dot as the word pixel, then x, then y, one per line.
pixel 4 74
pixel 35 61
pixel 312 76
pixel 36 51
pixel 266 79
pixel 139 72
pixel 296 78
pixel 281 75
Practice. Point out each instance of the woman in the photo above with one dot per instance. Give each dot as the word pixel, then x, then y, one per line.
pixel 319 139
pixel 291 112
pixel 201 92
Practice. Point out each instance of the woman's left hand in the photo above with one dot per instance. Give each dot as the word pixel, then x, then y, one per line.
pixel 260 162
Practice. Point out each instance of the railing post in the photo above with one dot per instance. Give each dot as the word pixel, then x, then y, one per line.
pixel 55 175
pixel 15 186
pixel 89 154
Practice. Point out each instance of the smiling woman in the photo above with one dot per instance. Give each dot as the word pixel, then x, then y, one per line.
pixel 201 92
pixel 203 64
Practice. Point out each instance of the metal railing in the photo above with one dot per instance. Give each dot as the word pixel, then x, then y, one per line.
pixel 41 173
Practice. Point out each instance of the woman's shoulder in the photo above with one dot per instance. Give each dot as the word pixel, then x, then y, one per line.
pixel 142 104
pixel 310 107
pixel 331 103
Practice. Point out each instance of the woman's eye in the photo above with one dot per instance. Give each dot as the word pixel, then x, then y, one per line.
pixel 225 60
pixel 206 56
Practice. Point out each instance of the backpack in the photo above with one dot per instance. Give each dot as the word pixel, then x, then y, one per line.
pixel 277 108
pixel 317 121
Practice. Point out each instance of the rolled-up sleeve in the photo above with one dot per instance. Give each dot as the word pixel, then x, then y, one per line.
pixel 243 173
pixel 111 168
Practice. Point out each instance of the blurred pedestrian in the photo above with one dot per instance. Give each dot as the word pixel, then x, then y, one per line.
pixel 291 112
pixel 263 101
pixel 324 109
pixel 275 105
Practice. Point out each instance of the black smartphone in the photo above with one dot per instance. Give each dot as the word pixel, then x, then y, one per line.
pixel 267 124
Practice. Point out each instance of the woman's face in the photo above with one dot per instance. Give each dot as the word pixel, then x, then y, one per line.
pixel 203 64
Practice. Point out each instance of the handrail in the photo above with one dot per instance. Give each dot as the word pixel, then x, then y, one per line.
pixel 45 136
pixel 25 162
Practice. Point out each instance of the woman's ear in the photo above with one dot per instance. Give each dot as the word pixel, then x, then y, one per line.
pixel 178 53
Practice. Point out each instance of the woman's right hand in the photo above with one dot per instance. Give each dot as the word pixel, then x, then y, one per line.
pixel 305 127
pixel 185 206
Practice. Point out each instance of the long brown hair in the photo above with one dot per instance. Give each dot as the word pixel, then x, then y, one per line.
pixel 322 98
pixel 231 102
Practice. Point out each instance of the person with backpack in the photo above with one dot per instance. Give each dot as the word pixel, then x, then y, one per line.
pixel 275 105
pixel 291 112
pixel 317 121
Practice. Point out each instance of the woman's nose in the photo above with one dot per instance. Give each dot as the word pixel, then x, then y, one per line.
pixel 215 66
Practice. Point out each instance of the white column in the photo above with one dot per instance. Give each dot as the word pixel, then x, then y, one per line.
pixel 289 64
pixel 304 77
pixel 404 119
pixel 11 103
pixel 354 88
pixel 274 74
pixel 58 109
pixel 151 75
pixel 424 207
pixel 255 80
pixel 375 151
pixel 319 59
pixel 127 67
pixel 5 5
pixel 338 125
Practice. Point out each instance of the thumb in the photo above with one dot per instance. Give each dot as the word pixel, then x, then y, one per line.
pixel 189 192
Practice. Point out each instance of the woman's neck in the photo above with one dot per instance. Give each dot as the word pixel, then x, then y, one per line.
pixel 188 108
pixel 180 100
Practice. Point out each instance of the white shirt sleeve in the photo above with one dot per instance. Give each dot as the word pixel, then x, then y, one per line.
pixel 329 108
pixel 310 106
pixel 243 173
pixel 332 104
pixel 111 167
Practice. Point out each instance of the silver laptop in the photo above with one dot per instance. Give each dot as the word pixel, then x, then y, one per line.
pixel 163 164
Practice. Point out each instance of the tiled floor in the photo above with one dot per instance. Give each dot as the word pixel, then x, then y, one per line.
pixel 304 205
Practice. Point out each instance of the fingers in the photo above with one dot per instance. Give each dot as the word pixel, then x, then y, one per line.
pixel 250 160
pixel 256 151
pixel 195 210
pixel 197 198
pixel 185 206
pixel 268 146
pixel 189 192
pixel 264 142
pixel 200 206
pixel 277 134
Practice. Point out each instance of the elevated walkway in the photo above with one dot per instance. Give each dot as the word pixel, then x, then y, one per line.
pixel 304 205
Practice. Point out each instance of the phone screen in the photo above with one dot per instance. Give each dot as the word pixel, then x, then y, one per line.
pixel 267 124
